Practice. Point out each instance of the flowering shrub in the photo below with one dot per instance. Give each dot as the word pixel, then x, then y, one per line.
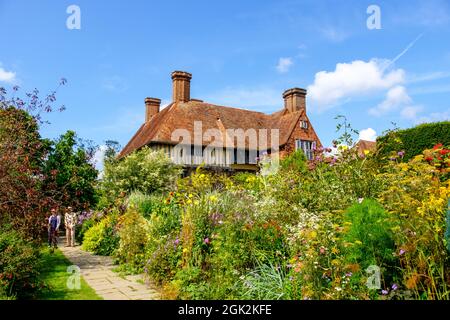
pixel 145 170
pixel 133 234
pixel 417 199
pixel 102 238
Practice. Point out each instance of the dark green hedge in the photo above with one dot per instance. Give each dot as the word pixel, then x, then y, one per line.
pixel 414 140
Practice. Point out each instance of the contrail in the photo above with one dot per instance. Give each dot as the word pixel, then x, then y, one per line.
pixel 404 51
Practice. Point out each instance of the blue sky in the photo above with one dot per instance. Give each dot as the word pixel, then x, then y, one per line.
pixel 241 53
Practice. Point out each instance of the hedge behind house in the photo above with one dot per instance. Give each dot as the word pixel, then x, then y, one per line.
pixel 414 140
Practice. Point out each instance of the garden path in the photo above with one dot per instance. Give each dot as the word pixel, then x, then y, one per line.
pixel 97 271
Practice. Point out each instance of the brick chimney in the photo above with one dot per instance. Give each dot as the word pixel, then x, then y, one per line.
pixel 151 107
pixel 181 82
pixel 295 99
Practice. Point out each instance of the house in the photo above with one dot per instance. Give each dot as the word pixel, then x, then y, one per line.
pixel 193 132
pixel 364 146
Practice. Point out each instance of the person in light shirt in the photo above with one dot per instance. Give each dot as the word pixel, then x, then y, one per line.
pixel 70 221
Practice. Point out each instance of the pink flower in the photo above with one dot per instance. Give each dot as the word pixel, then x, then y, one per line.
pixel 206 241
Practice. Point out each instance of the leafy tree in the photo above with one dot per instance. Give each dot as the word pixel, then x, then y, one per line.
pixel 70 171
pixel 23 203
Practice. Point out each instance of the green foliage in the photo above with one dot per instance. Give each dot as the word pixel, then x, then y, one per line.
pixel 414 140
pixel 144 170
pixel 102 238
pixel 132 232
pixel 163 250
pixel 296 162
pixel 19 261
pixel 368 238
pixel 70 171
pixel 265 282
pixel 369 235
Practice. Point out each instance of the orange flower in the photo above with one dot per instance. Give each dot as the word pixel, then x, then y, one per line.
pixel 411 283
pixel 298 267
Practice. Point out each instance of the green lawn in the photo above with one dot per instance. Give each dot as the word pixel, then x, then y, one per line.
pixel 54 274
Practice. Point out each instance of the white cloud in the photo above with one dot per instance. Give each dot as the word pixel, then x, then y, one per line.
pixel 284 64
pixel 368 134
pixel 410 112
pixel 7 76
pixel 356 78
pixel 396 97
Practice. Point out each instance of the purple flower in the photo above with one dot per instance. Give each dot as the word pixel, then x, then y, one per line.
pixel 206 241
pixel 176 242
pixel 394 287
pixel 392 159
pixel 384 292
pixel 349 274
pixel 401 153
pixel 401 252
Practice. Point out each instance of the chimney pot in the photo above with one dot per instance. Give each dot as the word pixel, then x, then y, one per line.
pixel 152 106
pixel 181 82
pixel 295 99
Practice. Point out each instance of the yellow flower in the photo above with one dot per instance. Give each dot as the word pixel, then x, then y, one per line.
pixel 185 250
pixel 366 152
pixel 335 250
pixel 335 262
pixel 312 235
pixel 358 242
pixel 189 201
pixel 213 198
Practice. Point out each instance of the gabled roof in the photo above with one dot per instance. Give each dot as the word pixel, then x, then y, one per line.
pixel 182 115
pixel 364 145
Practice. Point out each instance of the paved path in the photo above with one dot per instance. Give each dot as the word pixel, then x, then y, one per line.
pixel 97 271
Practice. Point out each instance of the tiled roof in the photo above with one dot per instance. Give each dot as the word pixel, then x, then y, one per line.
pixel 182 115
pixel 363 145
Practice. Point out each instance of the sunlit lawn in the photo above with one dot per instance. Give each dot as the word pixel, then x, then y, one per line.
pixel 54 274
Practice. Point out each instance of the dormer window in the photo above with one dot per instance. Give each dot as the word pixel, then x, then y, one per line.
pixel 304 124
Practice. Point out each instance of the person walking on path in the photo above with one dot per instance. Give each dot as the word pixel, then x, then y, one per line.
pixel 70 221
pixel 54 221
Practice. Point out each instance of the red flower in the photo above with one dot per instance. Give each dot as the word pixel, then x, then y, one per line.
pixel 428 159
pixel 439 145
pixel 444 151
